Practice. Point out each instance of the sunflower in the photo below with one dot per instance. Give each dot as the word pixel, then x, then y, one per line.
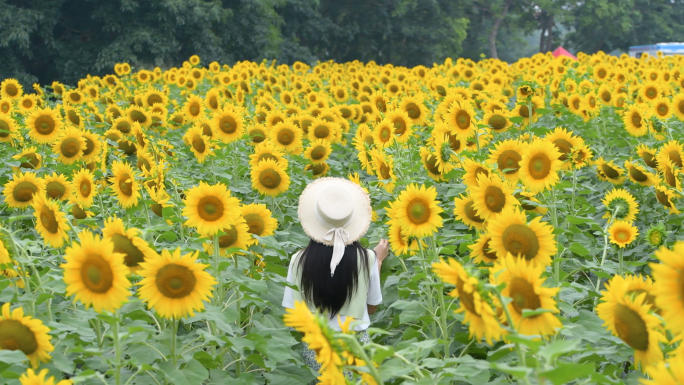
pixel 497 120
pixel 322 129
pixel 464 211
pixel 522 110
pixel 84 187
pixel 666 197
pixel 539 166
pixel 128 243
pixel 228 125
pixel 95 273
pixel 73 97
pixel 473 170
pixel 627 317
pixel 461 119
pixel 670 173
pixel 139 115
pixel 124 184
pixel 318 151
pixel 382 136
pixel 194 108
pixel 267 150
pixel 638 174
pixel 672 151
pixel 198 142
pixel 235 236
pixel 661 108
pixel 31 378
pixel 22 189
pixel 668 294
pixel 507 156
pixel 93 146
pixel 383 168
pixel 512 234
pixel 481 251
pixel 57 187
pixel 648 155
pixel 402 124
pixel 44 125
pixel 491 196
pixel 637 285
pixel 69 146
pixel 667 372
pixel 651 91
pixel 259 220
pixel 678 105
pixel 286 136
pixel 479 315
pixel 529 203
pixel 30 158
pixel 635 119
pixel 610 171
pixel 8 128
pixel 25 333
pixel 564 142
pixel 399 242
pixel 524 288
pixel 415 109
pixel 270 178
pixel 51 223
pixel 73 117
pixel 257 133
pixel 622 233
pixel 175 285
pixel 430 161
pixel 621 205
pixel 417 211
pixel 11 89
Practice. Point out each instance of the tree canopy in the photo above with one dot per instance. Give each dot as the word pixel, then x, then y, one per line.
pixel 43 40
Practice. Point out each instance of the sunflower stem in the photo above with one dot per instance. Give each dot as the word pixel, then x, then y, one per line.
pixel 362 353
pixel 117 349
pixel 554 220
pixel 605 243
pixel 511 325
pixel 621 262
pixel 98 331
pixel 174 331
pixel 431 305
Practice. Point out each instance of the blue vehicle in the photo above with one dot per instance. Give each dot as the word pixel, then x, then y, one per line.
pixel 668 49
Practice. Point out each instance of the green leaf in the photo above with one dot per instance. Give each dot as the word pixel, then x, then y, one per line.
pixel 557 348
pixel 12 356
pixel 565 373
pixel 578 249
pixel 527 313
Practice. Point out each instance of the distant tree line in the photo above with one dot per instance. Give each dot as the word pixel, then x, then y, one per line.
pixel 46 40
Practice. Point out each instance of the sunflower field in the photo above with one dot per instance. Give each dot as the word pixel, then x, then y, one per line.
pixel 147 219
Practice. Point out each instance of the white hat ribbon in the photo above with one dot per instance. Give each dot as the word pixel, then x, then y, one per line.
pixel 339 238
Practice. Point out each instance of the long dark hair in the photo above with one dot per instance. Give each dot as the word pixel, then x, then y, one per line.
pixel 318 287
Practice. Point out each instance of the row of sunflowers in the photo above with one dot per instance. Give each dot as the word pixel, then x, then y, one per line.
pixel 148 218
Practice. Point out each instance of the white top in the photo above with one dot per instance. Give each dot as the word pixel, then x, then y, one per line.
pixel 373 297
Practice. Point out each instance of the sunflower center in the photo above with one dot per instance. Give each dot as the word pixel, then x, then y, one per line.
pixel 622 235
pixel 418 211
pixel 487 250
pixel 210 208
pixel 154 98
pixel 602 73
pixel 609 171
pixel 124 245
pixel 631 328
pixel 48 220
pixel 663 198
pixel 318 153
pixel 676 158
pixel 45 125
pixel 540 166
pixel 322 131
pixel 636 120
pixel 286 136
pixel 471 213
pixel 4 129
pixel 454 143
pixel 413 110
pixel 14 335
pixel 143 164
pixel 23 191
pixel 12 90
pixel 194 109
pixel 227 124
pixel 399 126
pixel 198 144
pixel 124 127
pixel 662 109
pixel 525 112
pixel 269 178
pixel 649 299
pixel 497 122
pixel 520 240
pixel 495 199
pixel 606 96
pixel 680 106
pixel 96 274
pixel 523 295
pixel 256 223
pixel 509 159
pixel 55 190
pixel 126 184
pixel 385 133
pixel 266 156
pixel 138 116
pixel 89 146
pixel 85 188
pixel 467 299
pixel 564 147
pixel 637 175
pixel 175 281
pixel 318 168
pixel 384 171
pixel 73 117
pixel 70 147
pixel 32 160
pixel 651 93
pixel 649 159
pixel 257 135
pixel 229 238
pixel 431 164
pixel 463 119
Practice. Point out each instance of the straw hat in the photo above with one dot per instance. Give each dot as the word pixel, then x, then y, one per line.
pixel 335 212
